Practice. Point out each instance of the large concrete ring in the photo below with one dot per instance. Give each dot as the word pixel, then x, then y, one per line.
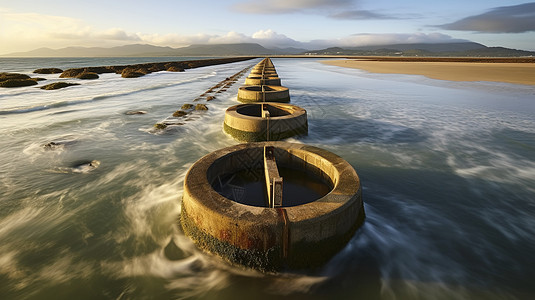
pixel 272 239
pixel 266 93
pixel 262 80
pixel 244 122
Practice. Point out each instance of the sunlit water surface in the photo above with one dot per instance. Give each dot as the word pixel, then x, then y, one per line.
pixel 447 169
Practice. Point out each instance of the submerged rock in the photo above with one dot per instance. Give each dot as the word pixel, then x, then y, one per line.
pixel 86 167
pixel 132 73
pixel 17 83
pixel 58 85
pixel 48 71
pixel 160 126
pixel 6 76
pixel 9 80
pixel 82 167
pixel 87 75
pixel 175 69
pixel 210 98
pixel 55 145
pixel 201 107
pixel 179 113
pixel 135 112
pixel 71 73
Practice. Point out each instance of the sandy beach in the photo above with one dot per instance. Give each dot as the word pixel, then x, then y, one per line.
pixel 509 72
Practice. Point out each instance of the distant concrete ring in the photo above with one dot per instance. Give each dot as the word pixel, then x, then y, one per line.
pixel 266 93
pixel 244 122
pixel 262 80
pixel 272 239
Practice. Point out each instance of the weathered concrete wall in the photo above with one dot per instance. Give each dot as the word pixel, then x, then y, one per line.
pixel 272 239
pixel 262 80
pixel 266 93
pixel 249 128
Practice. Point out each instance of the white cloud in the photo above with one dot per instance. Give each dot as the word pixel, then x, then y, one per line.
pixel 372 39
pixel 506 19
pixel 27 31
pixel 288 6
pixel 267 38
pixel 30 31
pixel 270 38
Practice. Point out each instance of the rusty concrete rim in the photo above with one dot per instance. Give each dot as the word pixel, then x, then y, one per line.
pixel 346 183
pixel 272 239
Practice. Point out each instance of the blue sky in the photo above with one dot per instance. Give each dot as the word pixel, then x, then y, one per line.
pixel 311 24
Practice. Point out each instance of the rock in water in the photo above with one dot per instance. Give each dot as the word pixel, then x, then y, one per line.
pixel 57 85
pixel 201 107
pixel 17 83
pixel 48 71
pixel 135 112
pixel 80 168
pixel 87 75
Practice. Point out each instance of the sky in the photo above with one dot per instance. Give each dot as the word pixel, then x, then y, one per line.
pixel 311 24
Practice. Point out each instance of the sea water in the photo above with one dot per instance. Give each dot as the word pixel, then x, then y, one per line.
pixel 447 170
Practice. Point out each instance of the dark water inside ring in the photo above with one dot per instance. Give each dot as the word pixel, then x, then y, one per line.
pixel 249 187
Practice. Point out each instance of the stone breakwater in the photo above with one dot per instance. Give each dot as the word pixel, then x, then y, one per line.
pixel 178 117
pixel 138 70
pixel 127 71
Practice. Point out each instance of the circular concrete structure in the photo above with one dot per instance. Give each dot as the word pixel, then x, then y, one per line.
pixel 265 93
pixel 271 239
pixel 245 123
pixel 264 73
pixel 262 80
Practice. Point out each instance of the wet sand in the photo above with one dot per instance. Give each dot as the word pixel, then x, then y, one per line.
pixel 509 72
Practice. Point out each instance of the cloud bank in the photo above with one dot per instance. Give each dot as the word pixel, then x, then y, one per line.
pixel 506 19
pixel 289 6
pixel 360 15
pixel 31 31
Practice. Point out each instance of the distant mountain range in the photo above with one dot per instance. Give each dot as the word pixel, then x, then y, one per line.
pixel 469 49
pixel 139 50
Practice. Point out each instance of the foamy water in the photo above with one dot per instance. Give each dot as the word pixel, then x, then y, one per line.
pixel 447 168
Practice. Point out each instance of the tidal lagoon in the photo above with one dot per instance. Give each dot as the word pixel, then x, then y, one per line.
pixel 447 170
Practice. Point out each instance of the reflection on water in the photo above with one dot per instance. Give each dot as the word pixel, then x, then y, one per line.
pixel 447 170
pixel 249 187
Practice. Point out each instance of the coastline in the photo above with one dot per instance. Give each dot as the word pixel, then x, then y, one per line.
pixel 508 72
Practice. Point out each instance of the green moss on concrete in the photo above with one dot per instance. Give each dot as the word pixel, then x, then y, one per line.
pixel 306 255
pixel 268 261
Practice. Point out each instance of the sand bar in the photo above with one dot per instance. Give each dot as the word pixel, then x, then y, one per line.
pixel 517 73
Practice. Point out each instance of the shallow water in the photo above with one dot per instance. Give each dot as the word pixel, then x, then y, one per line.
pixel 447 169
